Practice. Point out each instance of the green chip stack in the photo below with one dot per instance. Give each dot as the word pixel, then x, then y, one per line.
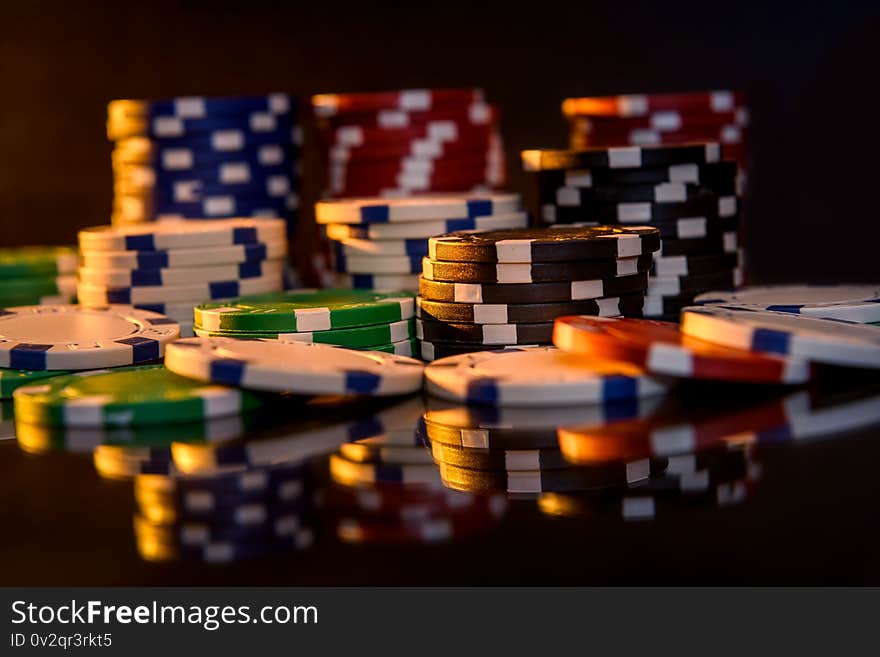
pixel 33 275
pixel 356 319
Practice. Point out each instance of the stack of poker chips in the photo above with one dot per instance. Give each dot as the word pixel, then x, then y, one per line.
pixel 199 158
pixel 379 243
pixel 411 141
pixel 356 319
pixel 498 288
pixel 660 119
pixel 386 489
pixel 224 515
pixel 687 192
pixel 172 266
pixel 32 275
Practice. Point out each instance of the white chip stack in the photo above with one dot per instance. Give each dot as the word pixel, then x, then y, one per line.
pixel 173 266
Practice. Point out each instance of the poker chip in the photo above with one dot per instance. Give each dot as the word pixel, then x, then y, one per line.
pixel 181 235
pixel 720 243
pixel 681 285
pixel 534 482
pixel 421 208
pixel 379 282
pixel 833 342
pixel 378 264
pixel 36 262
pixel 430 530
pixel 624 157
pixel 521 428
pixel 694 265
pixel 484 334
pixel 714 175
pixel 92 294
pixel 355 338
pixel 524 312
pixel 536 245
pixel 11 380
pixel 184 258
pixel 395 248
pixel 708 206
pixel 408 347
pixel 179 276
pixel 514 293
pixel 854 303
pixel 646 104
pixel 510 460
pixel 536 376
pixel 305 311
pixel 305 368
pixel 37 290
pixel 406 100
pixel 64 337
pixel 404 447
pixel 422 230
pixel 534 272
pixel 661 348
pixel 128 396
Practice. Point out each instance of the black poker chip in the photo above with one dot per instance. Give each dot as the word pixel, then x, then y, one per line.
pixel 534 272
pixel 720 177
pixel 629 306
pixel 485 334
pixel 716 243
pixel 710 206
pixel 544 244
pixel 694 265
pixel 562 480
pixel 680 285
pixel 625 157
pixel 662 193
pixel 514 293
pixel 668 306
pixel 436 349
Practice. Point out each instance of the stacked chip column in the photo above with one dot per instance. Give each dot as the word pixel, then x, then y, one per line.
pixel 687 192
pixel 493 289
pixel 204 158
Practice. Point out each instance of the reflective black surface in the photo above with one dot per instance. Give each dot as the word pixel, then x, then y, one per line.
pixel 802 512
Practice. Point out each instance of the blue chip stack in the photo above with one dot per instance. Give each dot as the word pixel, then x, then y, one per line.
pixel 198 158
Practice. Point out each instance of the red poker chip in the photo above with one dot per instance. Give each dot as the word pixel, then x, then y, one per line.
pixel 642 104
pixel 382 169
pixel 727 134
pixel 398 189
pixel 408 99
pixel 418 149
pixel 471 114
pixel 661 348
pixel 682 431
pixel 668 121
pixel 441 131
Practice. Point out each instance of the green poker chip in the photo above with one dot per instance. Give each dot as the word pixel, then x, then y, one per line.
pixel 305 311
pixel 356 337
pixel 37 261
pixel 37 286
pixel 127 397
pixel 12 380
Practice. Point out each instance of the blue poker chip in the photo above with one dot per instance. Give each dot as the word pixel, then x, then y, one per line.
pixel 194 191
pixel 201 106
pixel 414 209
pixel 226 173
pixel 163 129
pixel 168 161
pixel 228 206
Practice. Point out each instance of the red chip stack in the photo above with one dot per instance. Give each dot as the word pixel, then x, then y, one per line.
pixel 408 142
pixel 661 119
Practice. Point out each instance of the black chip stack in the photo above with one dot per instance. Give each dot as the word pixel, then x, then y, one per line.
pixel 686 191
pixel 493 289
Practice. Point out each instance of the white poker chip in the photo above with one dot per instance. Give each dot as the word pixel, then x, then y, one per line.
pixel 536 376
pixel 154 236
pixel 834 342
pixel 68 337
pixel 174 276
pixel 93 294
pixel 419 208
pixel 174 258
pixel 425 229
pixel 854 303
pixel 300 367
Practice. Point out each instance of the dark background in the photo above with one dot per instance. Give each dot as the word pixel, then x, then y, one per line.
pixel 810 69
